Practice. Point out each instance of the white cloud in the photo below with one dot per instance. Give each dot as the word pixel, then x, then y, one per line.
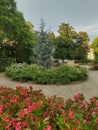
pixel 91 29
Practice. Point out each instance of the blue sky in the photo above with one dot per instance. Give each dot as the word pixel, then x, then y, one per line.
pixel 81 14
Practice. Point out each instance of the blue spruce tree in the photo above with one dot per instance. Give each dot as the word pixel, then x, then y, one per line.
pixel 43 49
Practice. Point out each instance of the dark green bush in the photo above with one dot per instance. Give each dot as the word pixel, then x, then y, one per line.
pixel 60 75
pixel 85 61
pixel 95 64
pixel 5 62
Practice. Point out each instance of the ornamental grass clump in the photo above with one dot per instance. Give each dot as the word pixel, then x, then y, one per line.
pixel 27 109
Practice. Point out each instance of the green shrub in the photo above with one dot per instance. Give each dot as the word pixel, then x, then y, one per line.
pixel 85 61
pixel 5 62
pixel 19 72
pixel 60 75
pixel 95 64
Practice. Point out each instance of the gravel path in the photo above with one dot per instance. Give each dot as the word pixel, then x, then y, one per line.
pixel 89 87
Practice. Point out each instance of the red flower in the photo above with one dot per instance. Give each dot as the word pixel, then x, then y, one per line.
pixel 96 104
pixel 1 109
pixel 71 114
pixel 93 100
pixel 64 120
pixel 48 127
pixel 26 111
pixel 97 121
pixel 18 87
pixel 84 121
pixel 77 96
pixel 30 87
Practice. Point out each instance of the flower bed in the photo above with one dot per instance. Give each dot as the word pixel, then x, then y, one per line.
pixel 28 109
pixel 60 75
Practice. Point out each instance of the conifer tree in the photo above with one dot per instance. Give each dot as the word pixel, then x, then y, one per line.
pixel 43 49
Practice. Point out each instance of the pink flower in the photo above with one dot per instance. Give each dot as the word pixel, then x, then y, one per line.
pixel 84 121
pixel 93 100
pixel 32 107
pixel 74 128
pixel 6 119
pixel 22 115
pixel 48 127
pixel 71 114
pixel 18 126
pixel 30 87
pixel 64 119
pixel 24 124
pixel 96 104
pixel 8 126
pixel 27 101
pixel 26 111
pixel 1 109
pixel 39 104
pixel 77 96
pixel 97 121
pixel 18 87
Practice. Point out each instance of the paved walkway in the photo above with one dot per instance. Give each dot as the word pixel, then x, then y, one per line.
pixel 89 87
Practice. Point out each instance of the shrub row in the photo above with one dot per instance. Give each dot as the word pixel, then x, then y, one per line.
pixel 60 75
pixel 28 109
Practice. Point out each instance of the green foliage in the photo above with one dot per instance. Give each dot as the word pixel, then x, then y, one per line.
pixel 95 63
pixel 85 61
pixel 16 38
pixel 64 49
pixel 5 62
pixel 94 45
pixel 66 31
pixel 70 44
pixel 19 72
pixel 60 75
pixel 43 49
pixel 82 41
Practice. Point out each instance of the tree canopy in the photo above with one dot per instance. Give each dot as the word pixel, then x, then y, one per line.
pixel 94 45
pixel 70 44
pixel 66 31
pixel 16 38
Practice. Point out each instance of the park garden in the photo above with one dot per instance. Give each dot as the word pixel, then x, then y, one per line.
pixel 31 55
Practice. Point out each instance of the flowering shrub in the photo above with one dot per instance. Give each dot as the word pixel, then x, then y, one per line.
pixel 28 109
pixel 60 75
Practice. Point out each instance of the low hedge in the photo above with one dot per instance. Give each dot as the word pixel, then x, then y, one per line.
pixel 27 109
pixel 59 75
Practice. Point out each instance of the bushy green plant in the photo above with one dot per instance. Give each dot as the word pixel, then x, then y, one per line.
pixel 85 61
pixel 60 75
pixel 27 109
pixel 19 71
pixel 5 62
pixel 95 63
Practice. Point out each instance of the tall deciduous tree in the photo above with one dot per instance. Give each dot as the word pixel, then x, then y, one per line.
pixel 82 42
pixel 70 44
pixel 16 39
pixel 66 31
pixel 43 49
pixel 64 49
